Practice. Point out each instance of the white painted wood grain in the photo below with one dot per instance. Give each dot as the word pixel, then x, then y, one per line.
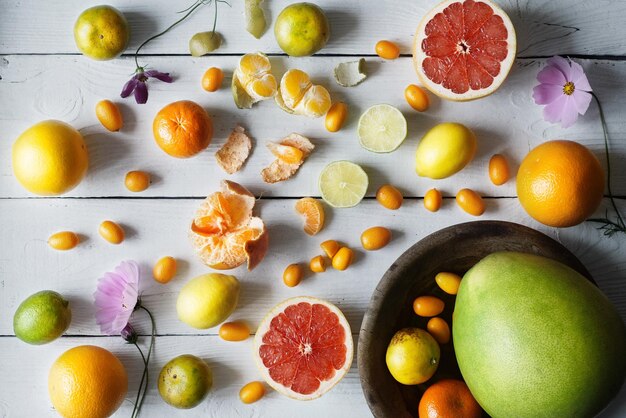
pixel 543 28
pixel 35 88
pixel 159 228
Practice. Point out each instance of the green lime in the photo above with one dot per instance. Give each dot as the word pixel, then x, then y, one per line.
pixel 42 318
pixel 382 128
pixel 343 184
pixel 185 381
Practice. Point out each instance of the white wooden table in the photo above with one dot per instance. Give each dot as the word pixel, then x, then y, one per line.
pixel 43 77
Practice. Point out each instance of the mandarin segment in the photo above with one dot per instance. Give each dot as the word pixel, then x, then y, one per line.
pixel 313 213
pixel 280 169
pixel 297 94
pixel 253 80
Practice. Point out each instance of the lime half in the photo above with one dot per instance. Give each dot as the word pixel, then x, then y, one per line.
pixel 343 184
pixel 382 128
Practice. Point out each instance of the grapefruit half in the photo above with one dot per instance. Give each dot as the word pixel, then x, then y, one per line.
pixel 463 50
pixel 303 347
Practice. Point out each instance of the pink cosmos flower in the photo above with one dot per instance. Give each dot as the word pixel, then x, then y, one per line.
pixel 564 89
pixel 116 296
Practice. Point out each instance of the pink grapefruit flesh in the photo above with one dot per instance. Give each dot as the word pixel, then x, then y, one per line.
pixel 464 50
pixel 303 347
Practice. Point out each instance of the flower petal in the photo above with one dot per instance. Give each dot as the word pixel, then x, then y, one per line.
pixel 547 93
pixel 581 99
pixel 552 112
pixel 551 75
pixel 129 87
pixel 563 65
pixel 159 75
pixel 141 93
pixel 569 114
pixel 579 78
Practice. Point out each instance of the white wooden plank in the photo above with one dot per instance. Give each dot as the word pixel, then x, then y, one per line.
pixel 68 87
pixel 543 28
pixel 232 365
pixel 158 228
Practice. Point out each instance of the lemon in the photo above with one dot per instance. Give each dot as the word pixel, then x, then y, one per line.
pixel 301 29
pixel 101 32
pixel 412 356
pixel 42 318
pixel 343 184
pixel 50 158
pixel 382 128
pixel 445 150
pixel 185 381
pixel 207 300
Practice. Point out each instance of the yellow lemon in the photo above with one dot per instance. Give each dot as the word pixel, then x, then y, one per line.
pixel 445 150
pixel 207 300
pixel 50 158
pixel 301 29
pixel 101 33
pixel 412 356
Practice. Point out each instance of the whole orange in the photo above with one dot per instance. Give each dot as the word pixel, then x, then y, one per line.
pixel 560 183
pixel 87 382
pixel 449 399
pixel 182 129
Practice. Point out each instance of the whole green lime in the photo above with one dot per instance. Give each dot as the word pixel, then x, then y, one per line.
pixel 185 381
pixel 534 338
pixel 42 318
pixel 301 29
pixel 101 32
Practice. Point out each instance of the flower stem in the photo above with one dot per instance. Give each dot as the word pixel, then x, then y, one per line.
pixel 141 395
pixel 191 9
pixel 610 227
pixel 143 376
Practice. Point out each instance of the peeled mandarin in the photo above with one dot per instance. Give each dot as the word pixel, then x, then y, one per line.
pixel 212 79
pixel 336 116
pixel 448 282
pixel 432 200
pixel 111 232
pixel 109 115
pixel 252 392
pixel 428 306
pixel 416 97
pixel 137 181
pixel 317 264
pixel 63 241
pixel 387 50
pixel 439 329
pixel 330 247
pixel 499 172
pixel 389 197
pixel 375 238
pixel 292 276
pixel 342 259
pixel 470 202
pixel 234 331
pixel 164 270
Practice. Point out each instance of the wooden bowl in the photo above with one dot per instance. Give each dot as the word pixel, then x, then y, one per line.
pixel 454 249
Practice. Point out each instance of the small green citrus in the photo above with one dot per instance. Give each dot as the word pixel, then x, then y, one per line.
pixel 42 318
pixel 101 32
pixel 301 29
pixel 185 381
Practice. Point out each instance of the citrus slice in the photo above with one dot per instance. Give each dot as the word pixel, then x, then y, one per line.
pixel 303 347
pixel 297 94
pixel 343 184
pixel 253 80
pixel 286 153
pixel 224 233
pixel 313 213
pixel 463 50
pixel 382 128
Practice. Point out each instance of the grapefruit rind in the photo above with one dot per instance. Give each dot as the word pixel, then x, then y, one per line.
pixel 326 385
pixel 505 65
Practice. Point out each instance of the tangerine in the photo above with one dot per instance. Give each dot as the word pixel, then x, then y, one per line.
pixel 560 183
pixel 182 129
pixel 449 398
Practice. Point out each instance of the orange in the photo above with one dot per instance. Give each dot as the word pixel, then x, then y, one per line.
pixel 313 213
pixel 182 129
pixel 560 183
pixel 449 398
pixel 224 233
pixel 87 381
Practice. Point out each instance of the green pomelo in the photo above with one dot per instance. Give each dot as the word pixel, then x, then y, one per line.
pixel 534 338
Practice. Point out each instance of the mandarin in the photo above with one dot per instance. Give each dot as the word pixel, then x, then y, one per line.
pixel 182 129
pixel 560 183
pixel 449 398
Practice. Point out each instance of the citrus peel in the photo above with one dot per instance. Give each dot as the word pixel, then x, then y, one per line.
pixel 283 168
pixel 234 153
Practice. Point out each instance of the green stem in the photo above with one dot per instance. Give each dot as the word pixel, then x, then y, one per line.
pixel 197 4
pixel 143 376
pixel 150 349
